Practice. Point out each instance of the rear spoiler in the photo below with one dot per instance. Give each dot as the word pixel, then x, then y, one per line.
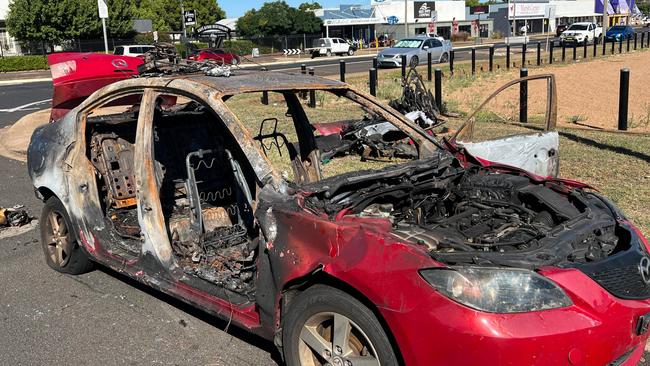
pixel 75 76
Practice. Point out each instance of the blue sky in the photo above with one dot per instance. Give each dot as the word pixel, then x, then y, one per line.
pixel 237 8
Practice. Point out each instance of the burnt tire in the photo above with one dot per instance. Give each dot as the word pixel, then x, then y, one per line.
pixel 59 240
pixel 312 331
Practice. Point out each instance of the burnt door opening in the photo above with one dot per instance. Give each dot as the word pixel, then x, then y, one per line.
pixel 207 196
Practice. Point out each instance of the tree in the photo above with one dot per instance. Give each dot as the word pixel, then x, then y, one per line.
pixel 45 21
pixel 119 23
pixel 277 18
pixel 309 6
pixel 166 14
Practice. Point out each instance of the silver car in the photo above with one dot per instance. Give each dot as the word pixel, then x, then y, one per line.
pixel 416 50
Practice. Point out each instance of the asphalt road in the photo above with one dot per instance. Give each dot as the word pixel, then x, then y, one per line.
pixel 99 318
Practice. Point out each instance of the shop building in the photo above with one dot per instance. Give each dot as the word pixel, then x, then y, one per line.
pixel 8 45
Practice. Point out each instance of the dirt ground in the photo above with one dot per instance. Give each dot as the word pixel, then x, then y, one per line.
pixel 587 92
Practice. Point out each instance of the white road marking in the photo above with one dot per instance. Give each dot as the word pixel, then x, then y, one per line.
pixel 25 107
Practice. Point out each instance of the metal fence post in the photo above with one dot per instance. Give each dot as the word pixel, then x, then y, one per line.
pixel 373 82
pixel 508 56
pixel 523 53
pixel 303 70
pixel 595 47
pixel 451 62
pixel 342 70
pixel 642 39
pixel 620 45
pixel 628 44
pixel 374 62
pixel 550 53
pixel 563 51
pixel 523 96
pixel 473 60
pixel 604 45
pixel 635 39
pixel 438 88
pixel 623 99
pixel 265 95
pixel 312 93
pixel 429 67
pixel 584 50
pixel 539 53
pixel 574 50
pixel 491 58
pixel 403 66
pixel 613 46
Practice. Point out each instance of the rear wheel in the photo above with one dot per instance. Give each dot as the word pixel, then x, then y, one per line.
pixel 60 245
pixel 326 326
pixel 328 53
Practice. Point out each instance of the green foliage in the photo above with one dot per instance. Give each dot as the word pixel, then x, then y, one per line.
pixel 309 6
pixel 147 38
pixel 54 21
pixel 22 63
pixel 166 14
pixel 644 7
pixel 243 47
pixel 278 18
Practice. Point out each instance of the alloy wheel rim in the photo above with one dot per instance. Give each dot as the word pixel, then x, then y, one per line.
pixel 58 239
pixel 332 339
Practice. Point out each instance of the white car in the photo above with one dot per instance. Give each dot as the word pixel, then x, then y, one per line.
pixel 581 33
pixel 133 50
pixel 330 46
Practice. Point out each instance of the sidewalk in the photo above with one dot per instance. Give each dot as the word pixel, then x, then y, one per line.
pixel 14 139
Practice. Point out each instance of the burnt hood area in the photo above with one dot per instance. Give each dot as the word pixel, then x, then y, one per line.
pixel 475 215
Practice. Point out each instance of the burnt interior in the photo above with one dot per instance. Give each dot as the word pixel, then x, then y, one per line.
pixel 206 189
pixel 478 216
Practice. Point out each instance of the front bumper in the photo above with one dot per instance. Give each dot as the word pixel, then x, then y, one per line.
pixel 573 39
pixel 598 329
pixel 389 61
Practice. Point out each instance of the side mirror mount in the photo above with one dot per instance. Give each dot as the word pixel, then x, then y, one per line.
pixel 425 47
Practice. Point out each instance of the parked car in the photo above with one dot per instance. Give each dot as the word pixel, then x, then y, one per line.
pixel 560 28
pixel 619 32
pixel 216 54
pixel 330 46
pixel 416 50
pixel 473 252
pixel 137 50
pixel 581 33
pixel 381 41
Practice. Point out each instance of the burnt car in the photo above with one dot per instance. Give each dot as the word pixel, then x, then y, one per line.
pixel 465 252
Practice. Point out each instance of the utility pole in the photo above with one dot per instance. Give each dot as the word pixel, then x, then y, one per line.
pixel 183 20
pixel 406 22
pixel 605 18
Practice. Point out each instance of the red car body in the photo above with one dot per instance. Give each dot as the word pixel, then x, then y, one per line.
pixel 361 254
pixel 216 54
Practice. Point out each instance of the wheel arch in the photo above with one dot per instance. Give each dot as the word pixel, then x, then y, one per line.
pixel 296 286
pixel 44 193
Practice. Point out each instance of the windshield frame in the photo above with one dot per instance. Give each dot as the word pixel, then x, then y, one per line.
pixel 578 27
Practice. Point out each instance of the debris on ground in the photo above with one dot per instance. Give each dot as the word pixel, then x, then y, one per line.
pixel 13 217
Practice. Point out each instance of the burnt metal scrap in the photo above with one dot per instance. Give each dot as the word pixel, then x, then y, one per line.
pixel 15 216
pixel 164 60
pixel 416 97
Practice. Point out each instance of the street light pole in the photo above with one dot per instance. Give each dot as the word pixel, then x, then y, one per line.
pixel 183 19
pixel 605 18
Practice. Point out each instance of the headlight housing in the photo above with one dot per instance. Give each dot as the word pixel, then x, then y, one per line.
pixel 497 290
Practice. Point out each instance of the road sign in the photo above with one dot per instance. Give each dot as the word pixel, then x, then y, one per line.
pixel 434 16
pixel 190 17
pixel 291 51
pixel 103 9
pixel 392 20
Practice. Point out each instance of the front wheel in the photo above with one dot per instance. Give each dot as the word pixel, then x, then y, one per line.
pixel 326 326
pixel 328 53
pixel 414 61
pixel 60 245
pixel 350 52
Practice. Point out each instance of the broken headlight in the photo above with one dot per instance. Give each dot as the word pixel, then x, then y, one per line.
pixel 497 290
